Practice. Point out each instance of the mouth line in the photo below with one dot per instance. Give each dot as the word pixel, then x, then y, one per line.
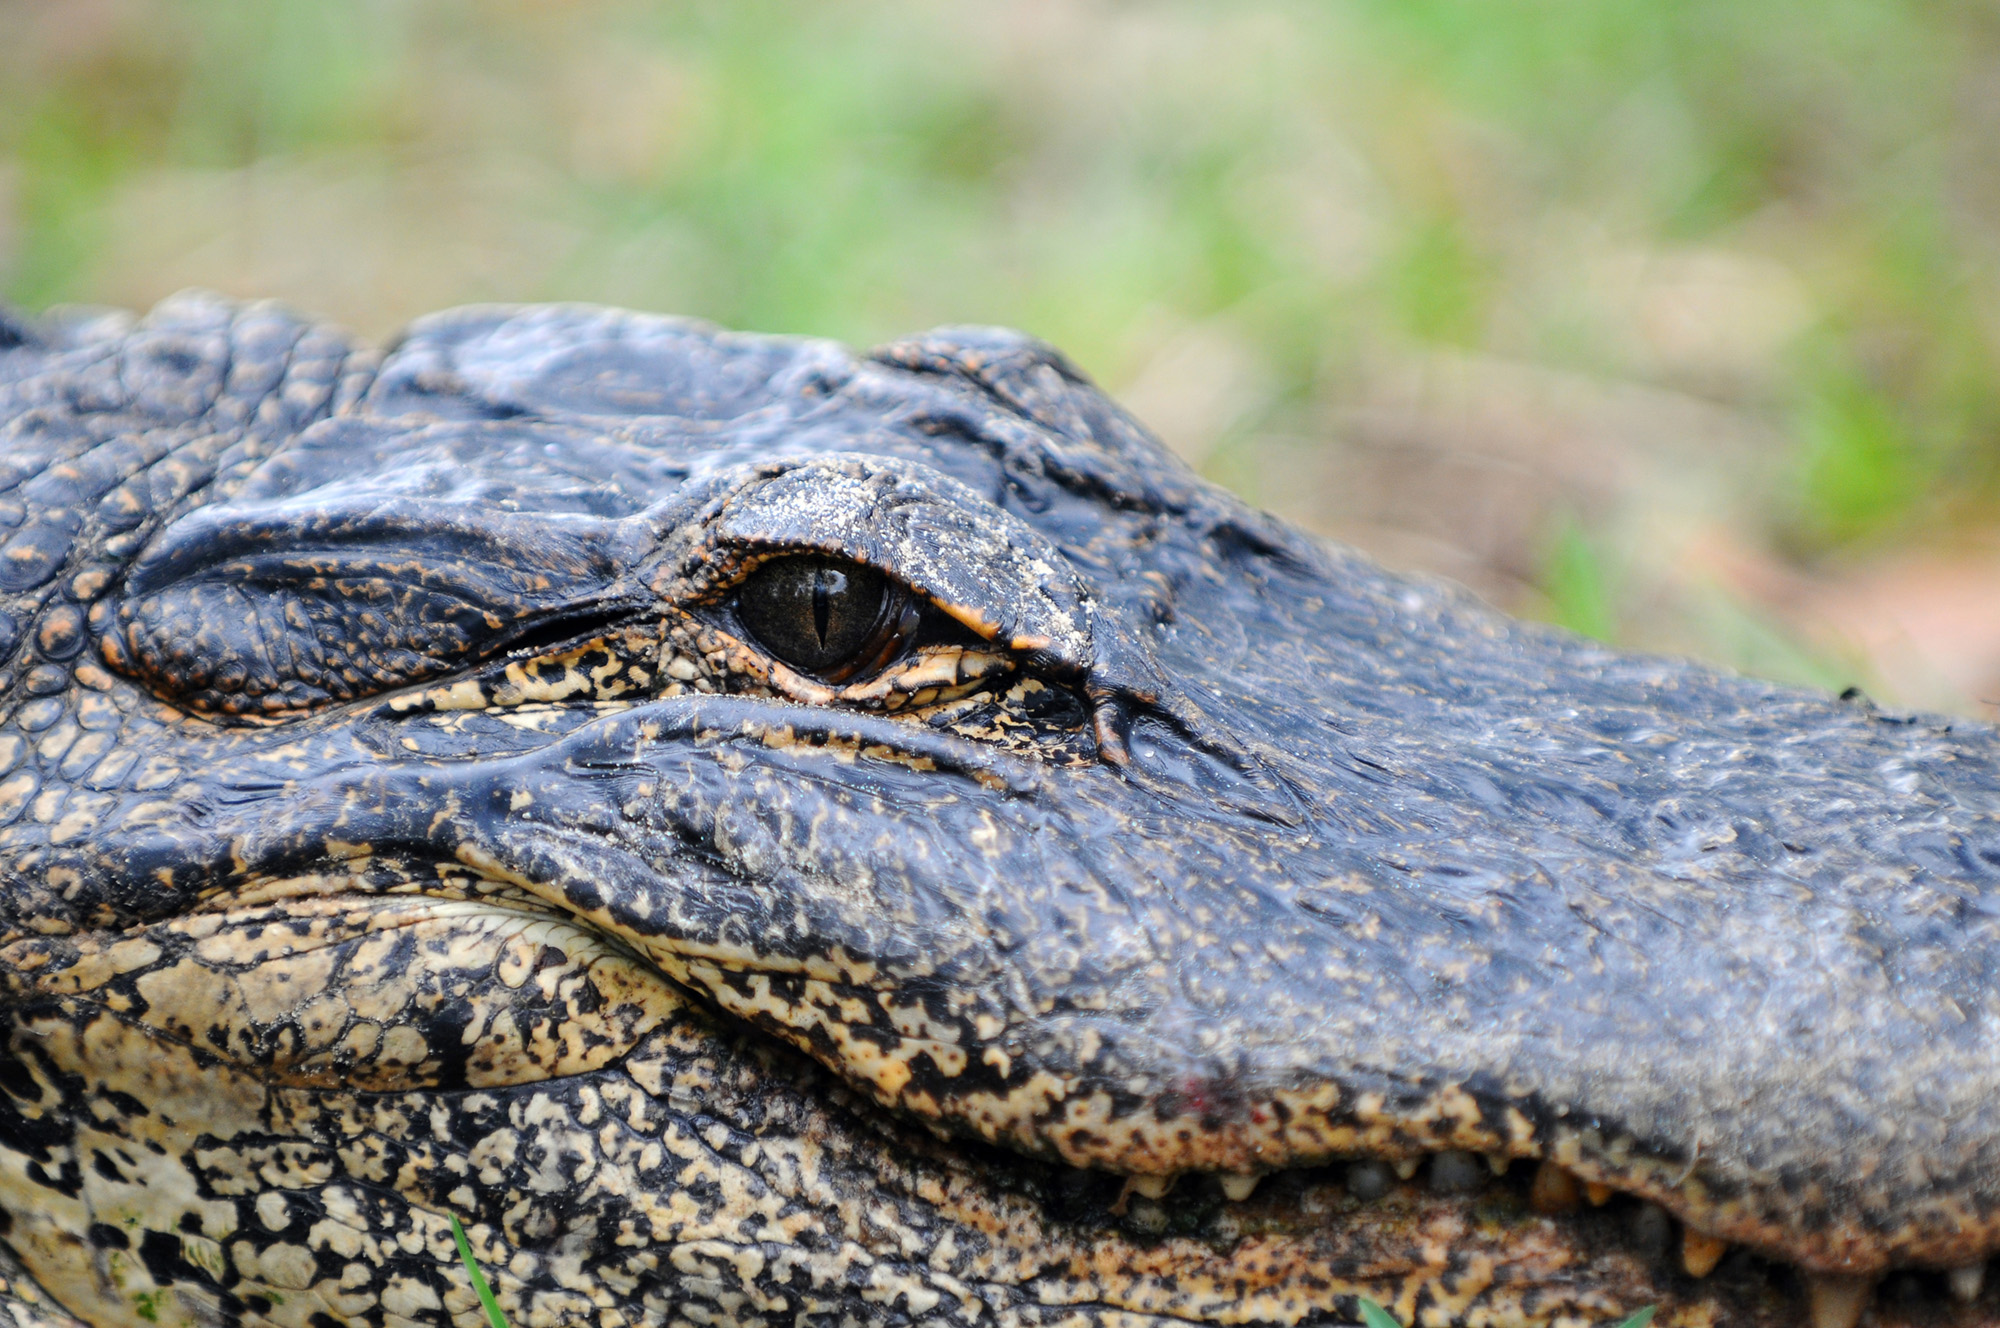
pixel 1597 1245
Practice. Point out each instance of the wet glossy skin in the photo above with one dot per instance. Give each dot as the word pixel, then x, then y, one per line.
pixel 401 819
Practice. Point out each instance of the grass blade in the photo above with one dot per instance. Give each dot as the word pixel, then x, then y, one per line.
pixel 1375 1316
pixel 493 1314
pixel 1640 1318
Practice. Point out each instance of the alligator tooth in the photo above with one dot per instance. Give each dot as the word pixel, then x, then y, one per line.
pixel 1456 1173
pixel 1652 1230
pixel 1406 1167
pixel 1837 1301
pixel 1152 1187
pixel 1554 1189
pixel 1700 1252
pixel 1238 1188
pixel 1967 1282
pixel 1497 1164
pixel 1599 1195
pixel 1369 1180
pixel 1147 1218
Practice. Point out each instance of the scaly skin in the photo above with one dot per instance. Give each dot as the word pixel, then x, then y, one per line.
pixel 400 820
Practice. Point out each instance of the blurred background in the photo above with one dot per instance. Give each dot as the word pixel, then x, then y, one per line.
pixel 1673 321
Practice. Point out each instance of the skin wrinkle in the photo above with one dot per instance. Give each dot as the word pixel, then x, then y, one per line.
pixel 1240 857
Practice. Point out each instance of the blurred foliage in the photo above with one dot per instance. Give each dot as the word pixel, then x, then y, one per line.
pixel 1262 222
pixel 1577 579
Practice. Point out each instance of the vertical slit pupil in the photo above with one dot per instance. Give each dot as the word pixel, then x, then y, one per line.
pixel 817 614
pixel 826 584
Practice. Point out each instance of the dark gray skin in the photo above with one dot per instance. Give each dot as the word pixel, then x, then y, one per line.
pixel 1145 837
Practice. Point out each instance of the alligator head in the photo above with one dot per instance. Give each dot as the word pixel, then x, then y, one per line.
pixel 770 836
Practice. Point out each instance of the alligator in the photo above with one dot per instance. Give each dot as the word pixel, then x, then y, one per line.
pixel 769 835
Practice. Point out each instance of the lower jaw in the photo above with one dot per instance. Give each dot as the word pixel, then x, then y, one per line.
pixel 1446 1246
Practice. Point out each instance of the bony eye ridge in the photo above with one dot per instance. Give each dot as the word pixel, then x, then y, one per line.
pixel 828 617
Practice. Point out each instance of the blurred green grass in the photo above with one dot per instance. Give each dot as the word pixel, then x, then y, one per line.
pixel 1554 296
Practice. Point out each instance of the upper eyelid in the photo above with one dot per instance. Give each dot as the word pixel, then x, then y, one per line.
pixel 720 571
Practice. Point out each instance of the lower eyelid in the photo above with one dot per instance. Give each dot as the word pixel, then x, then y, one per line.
pixel 681 653
pixel 948 672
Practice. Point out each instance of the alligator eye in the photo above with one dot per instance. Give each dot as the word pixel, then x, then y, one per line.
pixel 825 616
